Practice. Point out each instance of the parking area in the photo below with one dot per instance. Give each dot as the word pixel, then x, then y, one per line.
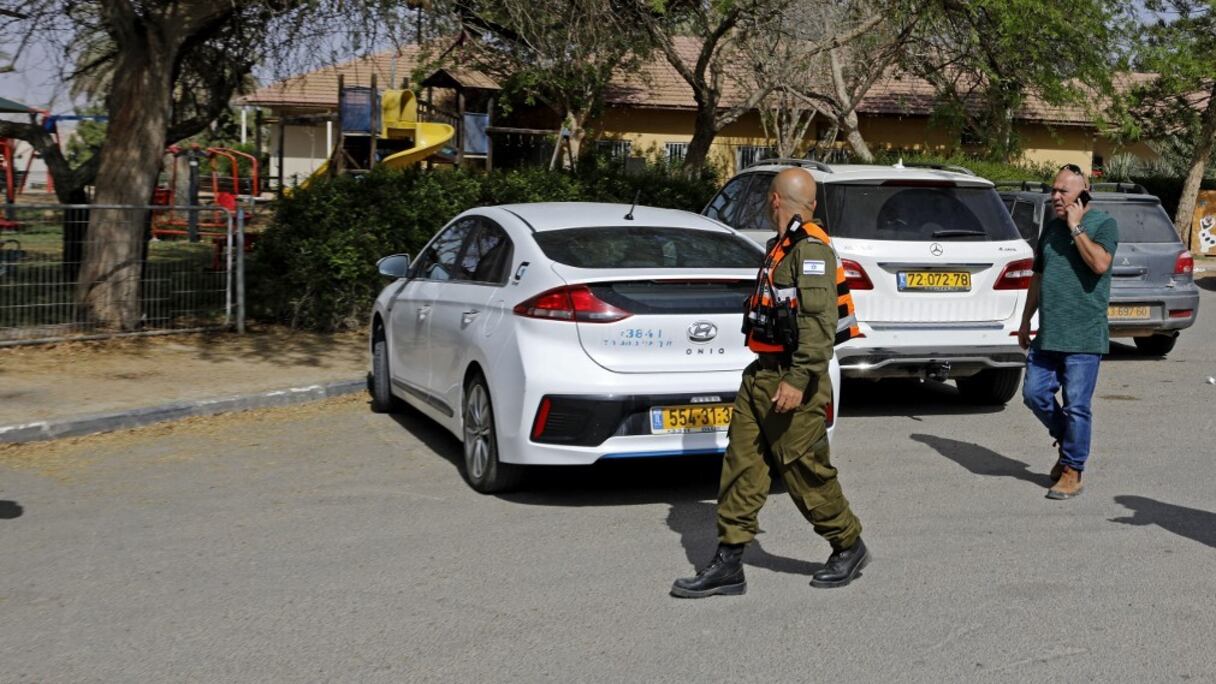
pixel 323 542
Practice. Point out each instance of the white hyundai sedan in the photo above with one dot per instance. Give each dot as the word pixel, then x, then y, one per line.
pixel 568 333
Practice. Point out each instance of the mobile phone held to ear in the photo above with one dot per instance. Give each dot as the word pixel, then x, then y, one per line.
pixel 1084 197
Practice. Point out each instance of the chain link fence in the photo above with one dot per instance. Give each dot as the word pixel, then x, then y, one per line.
pixel 175 269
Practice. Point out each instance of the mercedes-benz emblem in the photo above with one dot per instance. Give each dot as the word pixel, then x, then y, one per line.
pixel 702 331
pixel 936 249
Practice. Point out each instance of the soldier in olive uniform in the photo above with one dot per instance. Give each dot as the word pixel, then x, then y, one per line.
pixel 779 418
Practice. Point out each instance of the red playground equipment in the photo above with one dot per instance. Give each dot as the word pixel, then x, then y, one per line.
pixel 14 182
pixel 222 178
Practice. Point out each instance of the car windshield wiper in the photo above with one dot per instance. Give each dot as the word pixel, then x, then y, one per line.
pixel 958 233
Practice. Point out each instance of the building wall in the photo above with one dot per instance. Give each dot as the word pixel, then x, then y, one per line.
pixel 304 150
pixel 650 131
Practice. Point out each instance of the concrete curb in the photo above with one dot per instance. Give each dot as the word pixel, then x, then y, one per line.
pixel 119 420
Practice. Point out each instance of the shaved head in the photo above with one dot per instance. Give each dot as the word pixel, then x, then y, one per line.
pixel 791 193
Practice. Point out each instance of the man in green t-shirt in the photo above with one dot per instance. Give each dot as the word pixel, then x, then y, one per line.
pixel 1070 290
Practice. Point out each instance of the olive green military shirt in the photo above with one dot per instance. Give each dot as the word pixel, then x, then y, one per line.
pixel 1072 298
pixel 811 267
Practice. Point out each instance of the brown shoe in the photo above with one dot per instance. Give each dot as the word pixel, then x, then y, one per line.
pixel 1068 486
pixel 1058 468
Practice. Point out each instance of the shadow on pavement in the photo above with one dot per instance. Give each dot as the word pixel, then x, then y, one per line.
pixel 1123 349
pixel 1192 523
pixel 696 524
pixel 689 485
pixel 430 433
pixel 910 398
pixel 10 510
pixel 983 461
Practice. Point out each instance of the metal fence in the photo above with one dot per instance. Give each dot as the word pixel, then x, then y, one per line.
pixel 184 270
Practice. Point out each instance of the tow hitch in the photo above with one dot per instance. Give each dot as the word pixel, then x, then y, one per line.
pixel 938 371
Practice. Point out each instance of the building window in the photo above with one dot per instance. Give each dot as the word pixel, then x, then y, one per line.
pixel 676 152
pixel 746 155
pixel 617 150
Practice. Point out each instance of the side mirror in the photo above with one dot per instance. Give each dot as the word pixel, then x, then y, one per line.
pixel 394 266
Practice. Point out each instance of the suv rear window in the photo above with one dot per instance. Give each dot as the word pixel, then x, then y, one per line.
pixel 896 211
pixel 1140 221
pixel 645 247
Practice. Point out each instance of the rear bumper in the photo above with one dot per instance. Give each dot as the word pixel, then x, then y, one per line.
pixel 1160 303
pixel 887 352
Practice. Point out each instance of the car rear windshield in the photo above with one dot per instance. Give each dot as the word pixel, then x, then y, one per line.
pixel 1140 221
pixel 663 297
pixel 646 247
pixel 906 211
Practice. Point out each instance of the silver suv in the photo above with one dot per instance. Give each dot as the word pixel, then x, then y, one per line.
pixel 1153 295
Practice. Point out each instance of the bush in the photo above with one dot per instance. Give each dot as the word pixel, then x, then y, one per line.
pixel 314 265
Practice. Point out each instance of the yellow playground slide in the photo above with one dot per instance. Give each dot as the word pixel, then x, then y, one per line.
pixel 399 121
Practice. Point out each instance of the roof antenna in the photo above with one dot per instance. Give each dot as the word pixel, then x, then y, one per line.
pixel 629 216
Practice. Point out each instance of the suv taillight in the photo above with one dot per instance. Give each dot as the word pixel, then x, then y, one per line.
pixel 571 303
pixel 1016 275
pixel 1184 264
pixel 855 275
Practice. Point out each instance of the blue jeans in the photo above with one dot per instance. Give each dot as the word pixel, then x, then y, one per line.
pixel 1070 424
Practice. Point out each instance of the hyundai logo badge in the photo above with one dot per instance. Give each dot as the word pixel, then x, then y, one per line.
pixel 936 249
pixel 702 331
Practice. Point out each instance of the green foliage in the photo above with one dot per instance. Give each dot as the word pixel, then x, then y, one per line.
pixel 314 265
pixel 985 57
pixel 87 138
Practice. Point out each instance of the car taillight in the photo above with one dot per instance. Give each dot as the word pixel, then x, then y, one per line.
pixel 855 275
pixel 1184 264
pixel 829 414
pixel 1182 313
pixel 1016 275
pixel 571 303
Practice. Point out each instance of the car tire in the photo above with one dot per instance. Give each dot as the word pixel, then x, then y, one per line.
pixel 1156 345
pixel 379 385
pixel 992 387
pixel 482 469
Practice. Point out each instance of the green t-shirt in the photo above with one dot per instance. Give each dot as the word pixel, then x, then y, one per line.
pixel 1072 298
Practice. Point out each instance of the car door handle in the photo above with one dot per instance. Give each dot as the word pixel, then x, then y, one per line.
pixel 468 316
pixel 422 312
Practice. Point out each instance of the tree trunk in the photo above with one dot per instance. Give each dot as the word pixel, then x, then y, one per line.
pixel 139 104
pixel 705 129
pixel 575 123
pixel 856 142
pixel 1202 154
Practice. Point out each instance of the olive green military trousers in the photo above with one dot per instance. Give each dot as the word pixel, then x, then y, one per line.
pixel 796 444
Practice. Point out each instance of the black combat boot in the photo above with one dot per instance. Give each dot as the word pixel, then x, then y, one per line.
pixel 842 566
pixel 723 575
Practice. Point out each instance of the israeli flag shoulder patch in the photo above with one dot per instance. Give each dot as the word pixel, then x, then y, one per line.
pixel 814 267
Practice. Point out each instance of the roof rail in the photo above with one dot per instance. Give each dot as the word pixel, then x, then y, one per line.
pixel 940 167
pixel 1027 185
pixel 1129 188
pixel 791 161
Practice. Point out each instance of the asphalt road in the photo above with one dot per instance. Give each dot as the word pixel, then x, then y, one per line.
pixel 323 542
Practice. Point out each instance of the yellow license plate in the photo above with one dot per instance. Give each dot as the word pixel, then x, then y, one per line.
pixel 1128 313
pixel 934 281
pixel 682 419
